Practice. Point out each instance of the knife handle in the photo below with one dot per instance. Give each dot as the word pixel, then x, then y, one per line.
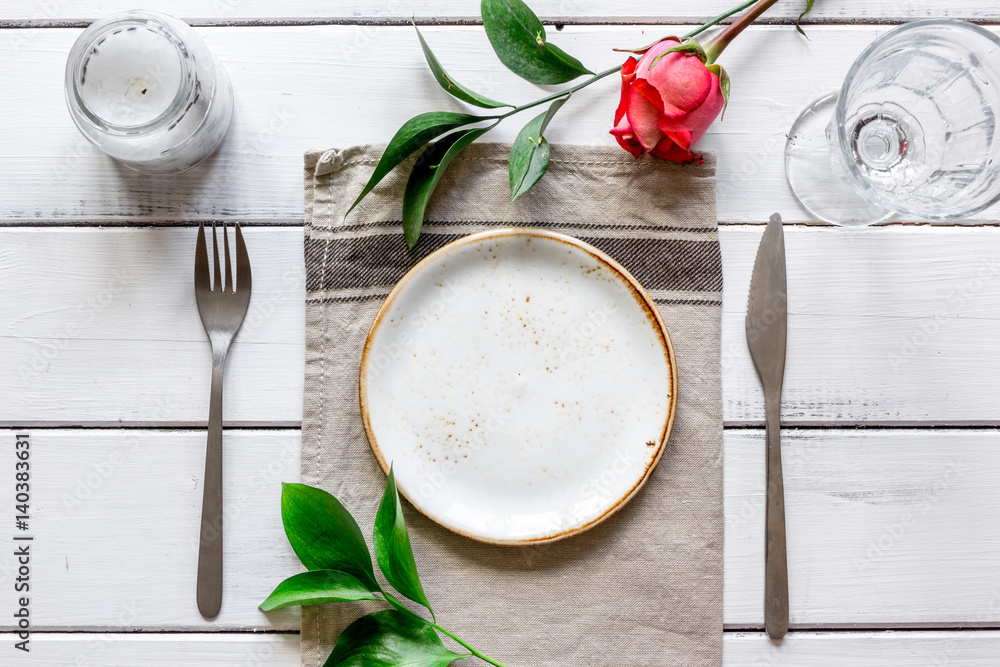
pixel 775 557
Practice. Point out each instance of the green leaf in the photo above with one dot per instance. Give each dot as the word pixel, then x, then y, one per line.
pixel 392 546
pixel 317 587
pixel 390 639
pixel 415 133
pixel 518 38
pixel 529 155
pixel 426 175
pixel 323 533
pixel 809 6
pixel 719 71
pixel 642 49
pixel 687 46
pixel 550 114
pixel 449 84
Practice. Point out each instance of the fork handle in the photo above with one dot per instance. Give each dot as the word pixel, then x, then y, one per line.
pixel 775 557
pixel 210 548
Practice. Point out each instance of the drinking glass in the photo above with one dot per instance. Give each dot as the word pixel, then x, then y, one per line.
pixel 913 130
pixel 144 88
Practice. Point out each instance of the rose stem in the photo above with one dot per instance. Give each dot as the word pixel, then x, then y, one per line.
pixel 720 17
pixel 476 653
pixel 717 44
pixel 600 75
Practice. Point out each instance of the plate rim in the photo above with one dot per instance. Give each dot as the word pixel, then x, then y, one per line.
pixel 638 291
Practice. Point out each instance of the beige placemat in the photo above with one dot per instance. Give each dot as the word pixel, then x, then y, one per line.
pixel 645 587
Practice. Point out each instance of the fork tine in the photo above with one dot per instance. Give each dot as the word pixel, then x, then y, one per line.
pixel 242 263
pixel 228 286
pixel 201 280
pixel 217 276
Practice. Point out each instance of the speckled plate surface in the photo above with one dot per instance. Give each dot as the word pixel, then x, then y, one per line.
pixel 522 384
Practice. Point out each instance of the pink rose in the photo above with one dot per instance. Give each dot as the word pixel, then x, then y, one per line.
pixel 665 107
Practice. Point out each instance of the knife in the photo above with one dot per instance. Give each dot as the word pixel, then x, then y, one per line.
pixel 766 326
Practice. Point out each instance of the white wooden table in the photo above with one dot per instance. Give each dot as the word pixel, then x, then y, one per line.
pixel 892 448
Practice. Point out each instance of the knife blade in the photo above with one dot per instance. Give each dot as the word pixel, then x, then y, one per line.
pixel 766 329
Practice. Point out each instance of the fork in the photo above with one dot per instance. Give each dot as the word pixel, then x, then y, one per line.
pixel 222 306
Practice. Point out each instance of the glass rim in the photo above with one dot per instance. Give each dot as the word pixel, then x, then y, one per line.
pixel 86 40
pixel 840 112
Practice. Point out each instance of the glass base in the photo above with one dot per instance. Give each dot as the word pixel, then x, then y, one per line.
pixel 810 173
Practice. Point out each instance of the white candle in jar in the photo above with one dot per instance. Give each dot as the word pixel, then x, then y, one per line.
pixel 131 76
pixel 145 89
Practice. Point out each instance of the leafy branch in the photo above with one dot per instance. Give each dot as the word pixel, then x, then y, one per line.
pixel 519 40
pixel 329 542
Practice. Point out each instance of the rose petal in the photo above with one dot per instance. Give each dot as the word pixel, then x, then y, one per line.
pixel 681 79
pixel 622 128
pixel 650 93
pixel 698 121
pixel 643 118
pixel 682 138
pixel 668 150
pixel 683 82
pixel 628 76
pixel 622 132
pixel 663 45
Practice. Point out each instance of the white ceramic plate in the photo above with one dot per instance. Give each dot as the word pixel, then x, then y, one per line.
pixel 522 384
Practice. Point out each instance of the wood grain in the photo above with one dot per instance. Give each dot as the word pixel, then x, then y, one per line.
pixel 885 527
pixel 861 649
pixel 117 336
pixel 156 650
pixel 887 325
pixel 743 649
pixel 322 86
pixel 399 11
pixel 115 518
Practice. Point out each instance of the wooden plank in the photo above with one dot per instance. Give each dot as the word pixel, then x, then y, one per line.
pixel 742 649
pixel 115 516
pixel 399 11
pixel 885 527
pixel 888 325
pixel 321 86
pixel 861 649
pixel 117 336
pixel 156 650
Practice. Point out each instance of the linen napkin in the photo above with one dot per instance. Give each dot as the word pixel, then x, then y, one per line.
pixel 645 587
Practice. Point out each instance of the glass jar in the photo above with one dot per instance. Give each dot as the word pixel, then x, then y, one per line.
pixel 145 89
